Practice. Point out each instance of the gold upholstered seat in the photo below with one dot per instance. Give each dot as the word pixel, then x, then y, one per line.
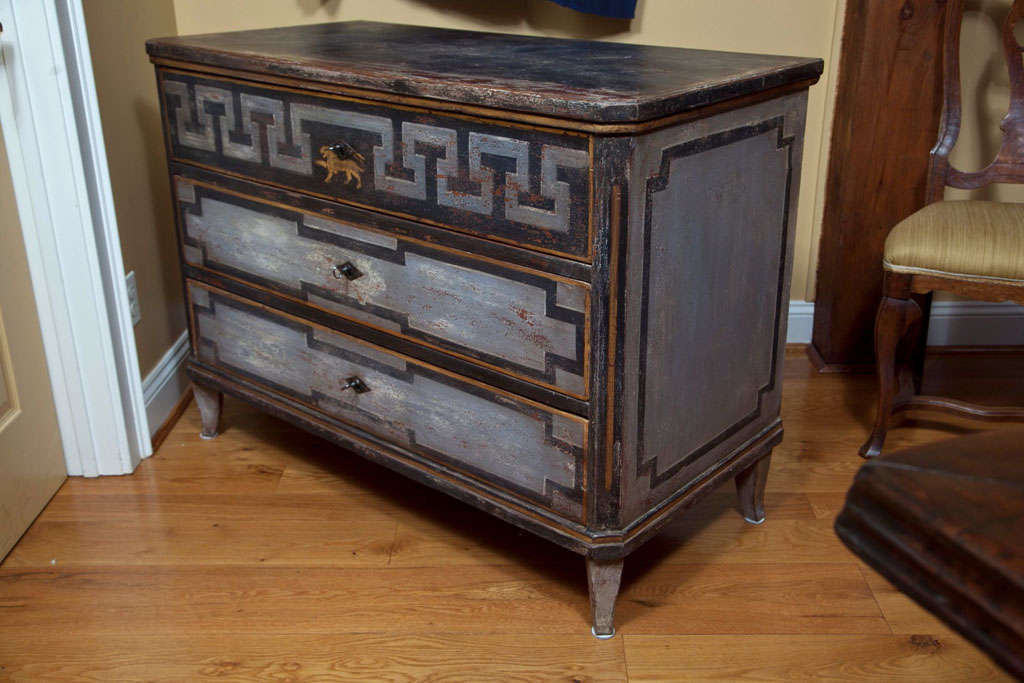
pixel 966 239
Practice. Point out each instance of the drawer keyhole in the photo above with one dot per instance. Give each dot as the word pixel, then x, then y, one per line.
pixel 355 384
pixel 346 270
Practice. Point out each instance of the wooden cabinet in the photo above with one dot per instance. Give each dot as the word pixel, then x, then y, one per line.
pixel 549 277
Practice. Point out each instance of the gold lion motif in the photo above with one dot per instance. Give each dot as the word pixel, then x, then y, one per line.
pixel 351 168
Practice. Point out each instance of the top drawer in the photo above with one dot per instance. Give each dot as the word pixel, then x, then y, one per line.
pixel 525 186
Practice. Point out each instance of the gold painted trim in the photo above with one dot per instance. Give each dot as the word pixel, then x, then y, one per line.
pixel 613 321
pixel 586 257
pixel 592 199
pixel 536 273
pixel 668 508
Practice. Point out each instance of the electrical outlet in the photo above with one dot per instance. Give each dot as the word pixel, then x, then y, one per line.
pixel 133 298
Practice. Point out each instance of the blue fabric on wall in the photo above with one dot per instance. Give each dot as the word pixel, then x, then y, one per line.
pixel 620 9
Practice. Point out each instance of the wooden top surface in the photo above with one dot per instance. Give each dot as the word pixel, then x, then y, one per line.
pixel 968 490
pixel 584 80
pixel 943 522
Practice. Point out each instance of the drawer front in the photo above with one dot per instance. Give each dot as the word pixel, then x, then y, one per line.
pixel 523 323
pixel 523 447
pixel 521 185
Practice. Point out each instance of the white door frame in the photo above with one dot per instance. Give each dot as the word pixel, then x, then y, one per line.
pixel 51 126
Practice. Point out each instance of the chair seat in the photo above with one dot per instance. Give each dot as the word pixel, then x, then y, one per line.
pixel 970 239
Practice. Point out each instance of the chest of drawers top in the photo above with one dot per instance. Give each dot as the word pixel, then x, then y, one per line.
pixel 586 81
pixel 489 135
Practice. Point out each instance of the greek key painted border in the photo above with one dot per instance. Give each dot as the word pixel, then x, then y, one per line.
pixel 235 123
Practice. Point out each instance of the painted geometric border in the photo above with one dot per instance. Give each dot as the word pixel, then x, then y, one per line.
pixel 656 184
pixel 452 167
pixel 397 255
pixel 573 496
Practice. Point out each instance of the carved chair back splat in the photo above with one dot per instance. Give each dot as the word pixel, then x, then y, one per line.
pixel 1008 165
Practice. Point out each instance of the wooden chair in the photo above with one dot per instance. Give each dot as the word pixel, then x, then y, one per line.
pixel 970 248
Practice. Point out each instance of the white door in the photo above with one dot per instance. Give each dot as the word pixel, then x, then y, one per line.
pixel 31 459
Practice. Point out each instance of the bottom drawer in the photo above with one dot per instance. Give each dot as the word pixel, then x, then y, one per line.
pixel 529 449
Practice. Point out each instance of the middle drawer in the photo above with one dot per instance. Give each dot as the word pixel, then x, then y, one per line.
pixel 520 322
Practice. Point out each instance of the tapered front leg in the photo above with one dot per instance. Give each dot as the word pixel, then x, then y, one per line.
pixel 210 402
pixel 603 579
pixel 750 485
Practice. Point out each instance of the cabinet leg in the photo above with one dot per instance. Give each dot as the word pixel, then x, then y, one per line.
pixel 210 402
pixel 750 489
pixel 603 579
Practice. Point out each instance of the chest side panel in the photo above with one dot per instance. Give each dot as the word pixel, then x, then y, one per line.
pixel 712 214
pixel 516 184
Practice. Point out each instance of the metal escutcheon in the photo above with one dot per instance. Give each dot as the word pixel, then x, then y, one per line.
pixel 346 270
pixel 355 384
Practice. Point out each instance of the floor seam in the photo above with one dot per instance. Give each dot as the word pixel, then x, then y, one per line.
pixel 874 597
pixel 394 544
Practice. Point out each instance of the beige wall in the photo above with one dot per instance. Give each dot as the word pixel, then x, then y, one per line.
pixel 130 113
pixel 796 27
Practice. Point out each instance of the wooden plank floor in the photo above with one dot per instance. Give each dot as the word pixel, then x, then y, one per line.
pixel 270 555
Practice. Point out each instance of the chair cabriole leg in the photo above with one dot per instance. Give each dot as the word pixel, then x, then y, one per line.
pixel 896 317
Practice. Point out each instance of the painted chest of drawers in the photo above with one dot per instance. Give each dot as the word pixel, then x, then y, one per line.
pixel 548 277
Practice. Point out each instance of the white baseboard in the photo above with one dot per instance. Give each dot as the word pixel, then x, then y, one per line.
pixel 164 386
pixel 801 322
pixel 952 323
pixel 975 323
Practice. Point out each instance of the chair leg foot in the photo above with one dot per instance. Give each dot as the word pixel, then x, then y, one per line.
pixel 872 448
